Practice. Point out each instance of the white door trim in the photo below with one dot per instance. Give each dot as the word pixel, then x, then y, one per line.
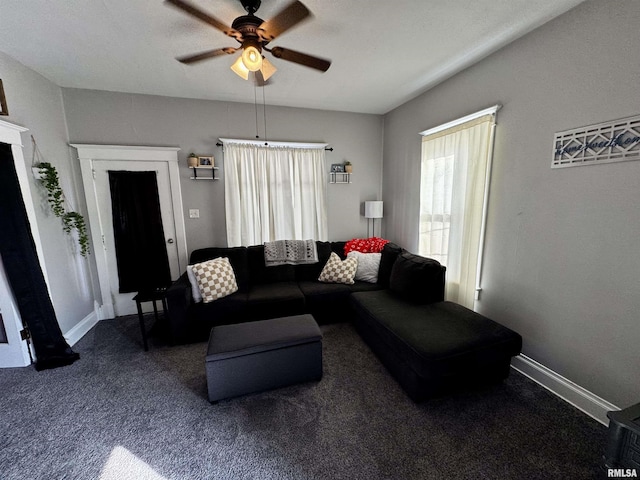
pixel 14 353
pixel 87 154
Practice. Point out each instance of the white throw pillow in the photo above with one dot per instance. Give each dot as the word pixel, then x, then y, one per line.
pixel 195 290
pixel 216 279
pixel 339 271
pixel 368 266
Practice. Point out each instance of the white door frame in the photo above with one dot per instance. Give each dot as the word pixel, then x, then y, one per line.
pixel 86 155
pixel 11 134
pixel 14 353
pixel 122 301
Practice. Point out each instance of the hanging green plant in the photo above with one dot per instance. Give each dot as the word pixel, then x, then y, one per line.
pixel 73 220
pixel 55 197
pixel 51 182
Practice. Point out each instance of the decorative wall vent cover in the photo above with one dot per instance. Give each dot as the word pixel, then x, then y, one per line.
pixel 614 141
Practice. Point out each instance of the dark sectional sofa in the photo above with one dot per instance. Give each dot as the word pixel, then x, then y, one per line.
pixel 266 292
pixel 427 344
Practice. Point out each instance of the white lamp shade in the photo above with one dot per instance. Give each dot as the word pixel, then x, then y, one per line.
pixel 373 209
pixel 267 69
pixel 240 70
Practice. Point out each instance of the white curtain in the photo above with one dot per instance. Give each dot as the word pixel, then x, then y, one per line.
pixel 452 193
pixel 274 193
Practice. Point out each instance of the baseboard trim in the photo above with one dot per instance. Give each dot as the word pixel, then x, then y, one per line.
pixel 579 397
pixel 81 328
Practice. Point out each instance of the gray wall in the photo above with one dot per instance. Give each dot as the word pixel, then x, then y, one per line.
pixel 561 260
pixel 36 104
pixel 195 126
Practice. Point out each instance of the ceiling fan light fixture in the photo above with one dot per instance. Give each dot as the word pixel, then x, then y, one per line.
pixel 267 69
pixel 240 69
pixel 252 58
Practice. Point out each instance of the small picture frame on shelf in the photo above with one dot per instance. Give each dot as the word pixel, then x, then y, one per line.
pixel 205 161
pixel 3 101
pixel 337 168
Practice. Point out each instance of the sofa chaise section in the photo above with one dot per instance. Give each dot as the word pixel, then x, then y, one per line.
pixel 436 347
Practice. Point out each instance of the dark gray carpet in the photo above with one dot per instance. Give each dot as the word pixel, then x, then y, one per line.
pixel 122 413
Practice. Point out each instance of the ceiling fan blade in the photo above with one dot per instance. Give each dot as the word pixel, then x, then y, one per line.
pixel 301 58
pixel 208 54
pixel 290 16
pixel 205 17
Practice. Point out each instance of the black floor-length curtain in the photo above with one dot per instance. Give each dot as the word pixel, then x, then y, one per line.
pixel 24 274
pixel 143 264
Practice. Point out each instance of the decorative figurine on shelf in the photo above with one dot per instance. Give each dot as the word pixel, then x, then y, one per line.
pixel 348 168
pixel 192 160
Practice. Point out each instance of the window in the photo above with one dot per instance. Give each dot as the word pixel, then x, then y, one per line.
pixel 435 207
pixel 274 192
pixel 455 170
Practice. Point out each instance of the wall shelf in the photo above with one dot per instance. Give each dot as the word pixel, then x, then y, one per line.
pixel 204 175
pixel 339 177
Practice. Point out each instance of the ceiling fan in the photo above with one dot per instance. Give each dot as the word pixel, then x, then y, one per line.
pixel 254 34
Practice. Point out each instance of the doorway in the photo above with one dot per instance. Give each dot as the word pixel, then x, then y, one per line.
pixel 119 258
pixel 14 352
pixel 99 163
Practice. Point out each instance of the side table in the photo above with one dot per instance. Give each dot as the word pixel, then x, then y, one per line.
pixel 150 296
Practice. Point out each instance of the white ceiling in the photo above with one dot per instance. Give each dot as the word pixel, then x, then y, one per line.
pixel 383 52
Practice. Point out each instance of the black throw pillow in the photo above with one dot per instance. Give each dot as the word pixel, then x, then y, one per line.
pixel 417 279
pixel 389 255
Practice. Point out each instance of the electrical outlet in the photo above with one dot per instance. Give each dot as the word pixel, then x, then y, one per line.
pixel 194 213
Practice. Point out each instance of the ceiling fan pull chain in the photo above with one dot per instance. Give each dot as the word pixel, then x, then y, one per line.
pixel 255 105
pixel 264 111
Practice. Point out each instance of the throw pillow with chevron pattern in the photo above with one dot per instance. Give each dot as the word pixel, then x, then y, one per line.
pixel 339 271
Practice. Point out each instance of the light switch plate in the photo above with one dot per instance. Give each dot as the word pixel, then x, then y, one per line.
pixel 194 213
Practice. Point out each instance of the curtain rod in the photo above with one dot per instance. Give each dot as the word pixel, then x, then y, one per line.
pixel 454 123
pixel 221 141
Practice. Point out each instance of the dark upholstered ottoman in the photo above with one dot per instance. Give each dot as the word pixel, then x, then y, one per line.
pixel 255 356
